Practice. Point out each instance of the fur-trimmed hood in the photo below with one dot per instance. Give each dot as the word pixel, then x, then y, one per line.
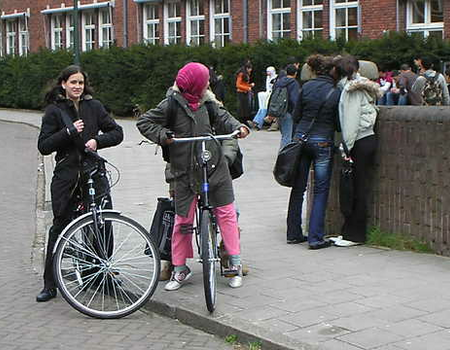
pixel 362 84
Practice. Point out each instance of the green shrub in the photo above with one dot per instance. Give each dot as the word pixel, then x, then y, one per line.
pixel 140 75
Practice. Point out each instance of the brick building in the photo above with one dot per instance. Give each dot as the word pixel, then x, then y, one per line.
pixel 26 25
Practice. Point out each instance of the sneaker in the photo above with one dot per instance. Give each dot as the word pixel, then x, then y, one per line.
pixel 346 243
pixel 251 124
pixel 178 279
pixel 320 245
pixel 236 281
pixel 296 240
pixel 335 239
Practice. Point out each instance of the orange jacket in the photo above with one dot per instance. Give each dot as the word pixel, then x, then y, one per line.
pixel 241 85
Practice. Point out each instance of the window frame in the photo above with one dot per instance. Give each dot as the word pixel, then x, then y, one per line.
pixel 425 27
pixel 347 5
pixel 221 39
pixel 278 11
pixel 154 23
pixel 70 34
pixel 108 26
pixel 24 36
pixel 190 19
pixel 168 21
pixel 56 30
pixel 88 27
pixel 307 8
pixel 11 37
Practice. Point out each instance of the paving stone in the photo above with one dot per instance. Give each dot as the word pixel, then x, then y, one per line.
pixel 370 338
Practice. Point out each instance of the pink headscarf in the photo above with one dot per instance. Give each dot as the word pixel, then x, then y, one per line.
pixel 192 81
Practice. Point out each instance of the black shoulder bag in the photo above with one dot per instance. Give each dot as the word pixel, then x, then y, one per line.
pixel 288 159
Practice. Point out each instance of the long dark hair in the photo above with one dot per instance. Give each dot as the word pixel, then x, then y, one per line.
pixel 56 89
pixel 346 66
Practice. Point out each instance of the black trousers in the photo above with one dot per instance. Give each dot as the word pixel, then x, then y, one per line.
pixel 363 155
pixel 244 106
pixel 59 223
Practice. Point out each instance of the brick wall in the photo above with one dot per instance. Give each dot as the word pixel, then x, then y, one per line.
pixel 411 192
pixel 377 16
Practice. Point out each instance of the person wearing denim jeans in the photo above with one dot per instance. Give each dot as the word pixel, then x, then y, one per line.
pixel 316 118
pixel 285 122
pixel 318 151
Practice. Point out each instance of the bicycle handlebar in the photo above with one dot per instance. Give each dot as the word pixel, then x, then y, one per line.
pixel 231 136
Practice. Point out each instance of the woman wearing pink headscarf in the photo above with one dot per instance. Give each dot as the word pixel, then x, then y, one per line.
pixel 189 94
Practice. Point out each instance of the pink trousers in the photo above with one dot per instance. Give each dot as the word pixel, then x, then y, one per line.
pixel 182 233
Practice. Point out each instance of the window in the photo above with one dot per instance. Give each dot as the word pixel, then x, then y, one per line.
pixel 221 22
pixel 105 28
pixel 151 24
pixel 88 31
pixel 1 41
pixel 57 30
pixel 69 31
pixel 279 19
pixel 195 22
pixel 426 17
pixel 345 19
pixel 173 23
pixel 11 27
pixel 310 19
pixel 24 46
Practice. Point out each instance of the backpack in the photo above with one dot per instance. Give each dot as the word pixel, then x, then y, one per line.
pixel 432 91
pixel 236 169
pixel 278 102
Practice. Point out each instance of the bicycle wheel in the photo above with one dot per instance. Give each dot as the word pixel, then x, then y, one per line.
pixel 208 242
pixel 108 271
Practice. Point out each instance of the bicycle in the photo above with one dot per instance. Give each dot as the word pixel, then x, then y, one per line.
pixel 207 229
pixel 105 264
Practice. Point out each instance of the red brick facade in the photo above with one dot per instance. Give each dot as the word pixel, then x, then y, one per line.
pixel 374 18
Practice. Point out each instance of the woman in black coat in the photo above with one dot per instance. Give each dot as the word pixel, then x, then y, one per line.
pixel 71 123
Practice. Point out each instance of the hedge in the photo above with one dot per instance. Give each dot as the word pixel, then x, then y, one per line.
pixel 140 75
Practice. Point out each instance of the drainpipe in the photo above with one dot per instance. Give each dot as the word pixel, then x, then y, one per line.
pixel 397 13
pixel 260 17
pixel 125 23
pixel 76 33
pixel 245 21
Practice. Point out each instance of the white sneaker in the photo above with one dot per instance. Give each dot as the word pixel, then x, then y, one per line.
pixel 178 279
pixel 345 243
pixel 236 281
pixel 335 239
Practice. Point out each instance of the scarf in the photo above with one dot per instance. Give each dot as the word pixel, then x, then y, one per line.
pixel 192 80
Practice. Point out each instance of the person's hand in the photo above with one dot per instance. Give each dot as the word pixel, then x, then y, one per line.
pixel 243 132
pixel 79 125
pixel 169 142
pixel 91 145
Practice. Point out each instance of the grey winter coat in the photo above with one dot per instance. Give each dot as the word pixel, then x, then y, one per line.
pixel 183 164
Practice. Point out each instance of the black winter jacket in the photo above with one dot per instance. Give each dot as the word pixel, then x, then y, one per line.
pixel 312 95
pixel 69 148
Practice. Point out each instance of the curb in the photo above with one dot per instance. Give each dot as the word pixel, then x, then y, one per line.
pixel 223 326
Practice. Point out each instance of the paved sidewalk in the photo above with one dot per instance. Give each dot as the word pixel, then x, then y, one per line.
pixel 294 298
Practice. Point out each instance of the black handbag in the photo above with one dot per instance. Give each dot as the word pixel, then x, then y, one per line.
pixel 346 183
pixel 286 165
pixel 162 227
pixel 237 168
pixel 288 159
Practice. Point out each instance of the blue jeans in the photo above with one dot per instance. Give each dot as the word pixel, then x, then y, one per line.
pixel 259 117
pixel 392 99
pixel 403 100
pixel 319 152
pixel 286 124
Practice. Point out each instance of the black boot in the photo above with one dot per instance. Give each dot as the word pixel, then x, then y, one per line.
pixel 46 294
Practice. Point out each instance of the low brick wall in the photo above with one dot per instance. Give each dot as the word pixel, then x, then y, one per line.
pixel 411 180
